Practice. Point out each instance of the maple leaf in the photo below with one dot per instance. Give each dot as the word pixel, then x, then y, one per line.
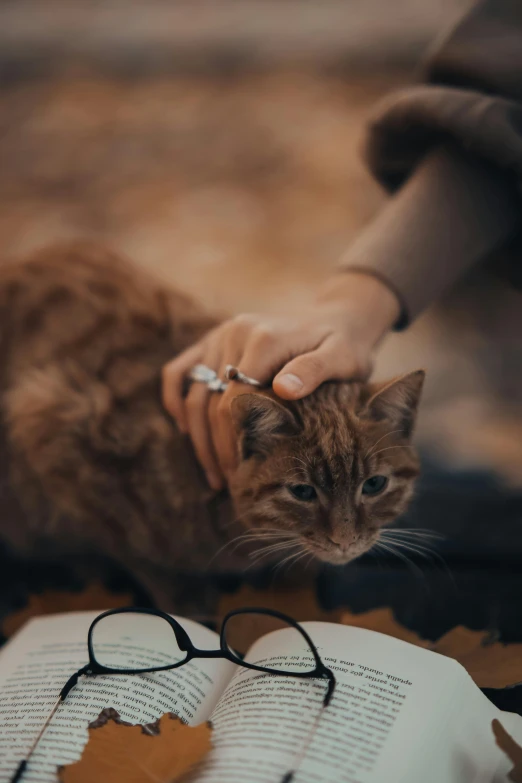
pixel 118 752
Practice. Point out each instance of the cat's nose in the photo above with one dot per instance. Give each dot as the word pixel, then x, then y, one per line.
pixel 335 540
pixel 341 542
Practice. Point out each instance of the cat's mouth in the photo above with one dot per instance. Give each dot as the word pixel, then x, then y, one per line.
pixel 337 556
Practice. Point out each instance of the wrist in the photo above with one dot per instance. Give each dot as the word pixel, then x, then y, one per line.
pixel 366 303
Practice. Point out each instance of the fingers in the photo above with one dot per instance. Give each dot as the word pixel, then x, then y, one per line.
pixel 223 434
pixel 331 361
pixel 199 431
pixel 191 411
pixel 203 414
pixel 268 348
pixel 506 743
pixel 198 423
pixel 257 351
pixel 303 355
pixel 173 383
pixel 224 437
pixel 302 376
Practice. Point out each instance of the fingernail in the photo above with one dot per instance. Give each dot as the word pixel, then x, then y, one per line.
pixel 291 382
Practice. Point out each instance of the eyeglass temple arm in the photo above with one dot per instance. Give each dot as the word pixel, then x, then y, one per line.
pixel 69 685
pixel 19 771
pixel 71 682
pixel 331 686
pixel 332 682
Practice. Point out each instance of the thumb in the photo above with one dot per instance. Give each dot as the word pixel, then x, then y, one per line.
pixel 305 373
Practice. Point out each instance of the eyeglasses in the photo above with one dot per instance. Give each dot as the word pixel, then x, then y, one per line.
pixel 172 648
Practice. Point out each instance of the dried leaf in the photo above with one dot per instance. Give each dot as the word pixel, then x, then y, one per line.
pixel 511 748
pixel 383 621
pixel 95 596
pixel 492 665
pixel 160 752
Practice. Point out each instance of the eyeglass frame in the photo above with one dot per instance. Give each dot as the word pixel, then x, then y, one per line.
pixel 94 668
pixel 185 645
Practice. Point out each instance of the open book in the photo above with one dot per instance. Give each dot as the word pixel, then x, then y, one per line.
pixel 400 714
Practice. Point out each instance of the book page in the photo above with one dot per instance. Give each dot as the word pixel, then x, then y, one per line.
pixel 37 663
pixel 471 753
pixel 393 715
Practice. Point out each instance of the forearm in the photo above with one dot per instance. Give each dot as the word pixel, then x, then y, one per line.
pixel 452 212
pixel 371 309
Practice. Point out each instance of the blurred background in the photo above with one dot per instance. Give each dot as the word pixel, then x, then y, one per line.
pixel 217 143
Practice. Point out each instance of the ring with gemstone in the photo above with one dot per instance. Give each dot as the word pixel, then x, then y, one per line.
pixel 200 373
pixel 233 374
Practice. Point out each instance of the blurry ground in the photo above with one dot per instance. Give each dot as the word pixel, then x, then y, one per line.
pixel 240 189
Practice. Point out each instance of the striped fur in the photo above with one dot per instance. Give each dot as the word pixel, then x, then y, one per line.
pixel 340 439
pixel 89 458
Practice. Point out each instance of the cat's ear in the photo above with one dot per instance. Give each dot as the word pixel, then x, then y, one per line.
pixel 258 420
pixel 397 402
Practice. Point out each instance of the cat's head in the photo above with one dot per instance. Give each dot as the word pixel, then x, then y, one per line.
pixel 327 471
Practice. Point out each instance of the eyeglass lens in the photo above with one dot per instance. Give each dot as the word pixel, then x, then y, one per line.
pixel 242 630
pixel 135 641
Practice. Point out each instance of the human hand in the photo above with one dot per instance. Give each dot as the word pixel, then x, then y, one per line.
pixel 333 340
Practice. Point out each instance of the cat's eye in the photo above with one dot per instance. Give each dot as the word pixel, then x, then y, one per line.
pixel 374 485
pixel 303 492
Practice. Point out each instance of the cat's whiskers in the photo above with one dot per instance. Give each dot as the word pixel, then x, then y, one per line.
pixel 419 549
pixel 271 549
pixel 379 545
pixel 389 448
pixel 264 531
pixel 413 533
pixel 370 451
pixel 295 458
pixel 272 540
pixel 405 541
pixel 274 549
pixel 254 534
pixel 291 562
pixel 283 538
pixel 275 537
pixel 414 548
pixel 295 474
pixel 418 530
pixel 291 559
pixel 261 554
pixel 305 463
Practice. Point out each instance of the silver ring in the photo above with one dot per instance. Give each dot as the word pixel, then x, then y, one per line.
pixel 200 373
pixel 233 374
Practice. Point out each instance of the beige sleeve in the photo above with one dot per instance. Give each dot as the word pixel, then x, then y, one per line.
pixel 452 212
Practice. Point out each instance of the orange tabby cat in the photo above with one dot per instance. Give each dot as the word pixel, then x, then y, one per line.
pixel 91 459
